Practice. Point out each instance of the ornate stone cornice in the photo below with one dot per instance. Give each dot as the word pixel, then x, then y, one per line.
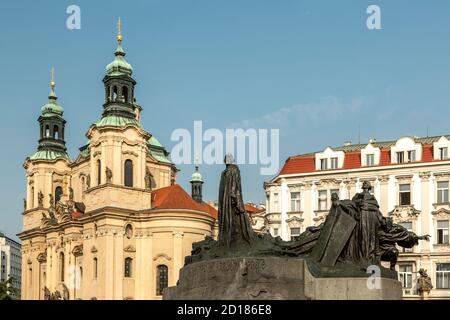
pixel 130 249
pixel 404 213
pixel 441 213
pixel 425 175
pixel 383 178
pixel 78 250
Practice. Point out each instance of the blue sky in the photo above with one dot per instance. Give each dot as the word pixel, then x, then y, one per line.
pixel 309 68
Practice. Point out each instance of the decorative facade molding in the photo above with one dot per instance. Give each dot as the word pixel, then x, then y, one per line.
pixel 404 213
pixel 78 250
pixel 162 256
pixel 130 248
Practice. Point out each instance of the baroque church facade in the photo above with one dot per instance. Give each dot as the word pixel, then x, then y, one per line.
pixel 113 223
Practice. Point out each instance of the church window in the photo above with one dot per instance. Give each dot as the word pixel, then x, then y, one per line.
pixel 128 173
pixel 95 268
pixel 47 131
pixel 125 94
pixel 128 267
pixel 61 267
pixel 58 194
pixel 129 231
pixel 162 279
pixel 56 132
pixel 114 97
pixel 99 172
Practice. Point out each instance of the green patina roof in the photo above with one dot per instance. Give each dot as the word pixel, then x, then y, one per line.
pixel 49 155
pixel 154 142
pixel 196 176
pixel 156 149
pixel 52 107
pixel 119 66
pixel 116 121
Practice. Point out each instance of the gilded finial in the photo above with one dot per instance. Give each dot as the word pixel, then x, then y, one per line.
pixel 119 33
pixel 52 82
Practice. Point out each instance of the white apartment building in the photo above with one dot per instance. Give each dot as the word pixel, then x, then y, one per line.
pixel 410 178
pixel 10 261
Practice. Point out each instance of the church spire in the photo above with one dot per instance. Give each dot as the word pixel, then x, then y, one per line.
pixel 52 123
pixel 196 183
pixel 119 84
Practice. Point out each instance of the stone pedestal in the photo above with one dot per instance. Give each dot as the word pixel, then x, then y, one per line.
pixel 271 278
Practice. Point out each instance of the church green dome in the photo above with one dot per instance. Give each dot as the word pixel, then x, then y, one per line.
pixel 52 107
pixel 119 66
pixel 196 176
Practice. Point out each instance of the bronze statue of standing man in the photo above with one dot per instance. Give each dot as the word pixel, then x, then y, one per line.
pixel 234 224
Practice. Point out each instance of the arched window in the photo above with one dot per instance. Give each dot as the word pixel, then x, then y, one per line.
pixel 47 131
pixel 128 173
pixel 99 172
pixel 56 132
pixel 128 267
pixel 32 198
pixel 114 97
pixel 162 279
pixel 61 267
pixel 58 194
pixel 125 94
pixel 95 268
pixel 108 93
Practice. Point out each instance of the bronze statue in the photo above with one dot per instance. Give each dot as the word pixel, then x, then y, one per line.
pixel 234 224
pixel 424 284
pixel 109 175
pixel 367 227
pixel 391 235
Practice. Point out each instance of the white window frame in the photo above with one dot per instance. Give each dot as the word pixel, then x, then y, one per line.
pixel 405 277
pixel 442 276
pixel 445 233
pixel 442 192
pixel 295 202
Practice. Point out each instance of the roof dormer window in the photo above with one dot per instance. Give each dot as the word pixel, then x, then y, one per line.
pixel 406 150
pixel 329 159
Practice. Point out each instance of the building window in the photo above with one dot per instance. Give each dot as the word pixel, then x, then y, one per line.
pixel 58 194
pixel 47 131
pixel 405 194
pixel 322 200
pixel 295 201
pixel 443 275
pixel 275 202
pixel 370 159
pixel 162 279
pixel 334 163
pixel 99 172
pixel 408 226
pixel 443 153
pixel 275 232
pixel 128 267
pixel 400 157
pixel 412 156
pixel 323 164
pixel 61 267
pixel 405 275
pixel 442 232
pixel 128 173
pixel 95 268
pixel 295 232
pixel 442 192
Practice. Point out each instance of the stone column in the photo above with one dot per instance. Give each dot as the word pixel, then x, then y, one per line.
pixel 108 239
pixel 427 199
pixel 119 261
pixel 283 199
pixel 177 255
pixel 383 201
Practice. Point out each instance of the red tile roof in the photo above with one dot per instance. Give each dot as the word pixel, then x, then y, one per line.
pixel 306 163
pixel 175 197
pixel 251 209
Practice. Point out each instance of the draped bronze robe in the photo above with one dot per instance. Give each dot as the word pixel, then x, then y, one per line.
pixel 234 224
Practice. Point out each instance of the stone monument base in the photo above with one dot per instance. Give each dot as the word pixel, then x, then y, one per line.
pixel 272 278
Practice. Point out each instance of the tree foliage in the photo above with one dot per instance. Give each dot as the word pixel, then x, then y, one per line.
pixel 7 291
